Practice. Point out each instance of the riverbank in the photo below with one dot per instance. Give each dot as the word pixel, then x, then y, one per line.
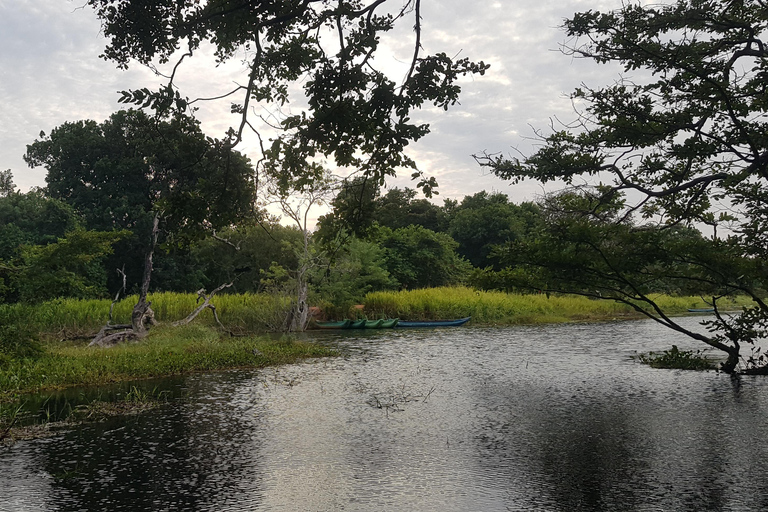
pixel 65 325
pixel 166 351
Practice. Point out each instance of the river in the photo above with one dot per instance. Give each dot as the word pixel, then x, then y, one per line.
pixel 549 418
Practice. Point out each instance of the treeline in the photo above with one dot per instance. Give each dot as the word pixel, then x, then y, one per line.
pixel 134 190
pixel 370 241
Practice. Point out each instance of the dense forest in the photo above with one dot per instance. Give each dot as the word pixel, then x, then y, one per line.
pixel 86 236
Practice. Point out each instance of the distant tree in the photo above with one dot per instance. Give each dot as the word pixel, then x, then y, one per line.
pixel 7 187
pixel 358 268
pixel 358 206
pixel 28 220
pixel 420 258
pixel 353 211
pixel 684 133
pixel 246 255
pixel 34 219
pixel 70 267
pixel 152 176
pixel 483 222
pixel 399 208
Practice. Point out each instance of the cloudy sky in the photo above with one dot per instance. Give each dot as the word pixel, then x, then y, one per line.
pixel 52 73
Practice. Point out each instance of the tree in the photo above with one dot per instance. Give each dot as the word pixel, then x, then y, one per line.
pixel 485 221
pixel 152 176
pixel 296 198
pixel 399 208
pixel 420 258
pixel 351 110
pixel 28 220
pixel 353 211
pixel 7 187
pixel 358 268
pixel 685 137
pixel 70 267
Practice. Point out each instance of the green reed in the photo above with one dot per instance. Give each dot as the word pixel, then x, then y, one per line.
pixel 505 308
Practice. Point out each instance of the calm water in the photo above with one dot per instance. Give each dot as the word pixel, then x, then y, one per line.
pixel 529 418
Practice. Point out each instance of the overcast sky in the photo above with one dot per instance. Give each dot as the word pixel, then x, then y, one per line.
pixel 52 73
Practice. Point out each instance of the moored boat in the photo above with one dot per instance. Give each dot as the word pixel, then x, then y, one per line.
pixel 433 323
pixel 701 310
pixel 343 324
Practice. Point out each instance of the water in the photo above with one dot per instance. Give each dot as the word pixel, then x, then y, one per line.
pixel 551 418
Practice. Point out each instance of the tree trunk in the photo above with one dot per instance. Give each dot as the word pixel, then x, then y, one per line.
pixel 142 316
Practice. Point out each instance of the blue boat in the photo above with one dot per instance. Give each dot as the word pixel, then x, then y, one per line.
pixel 701 310
pixel 434 323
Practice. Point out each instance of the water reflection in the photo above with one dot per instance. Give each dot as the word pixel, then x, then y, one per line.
pixel 535 418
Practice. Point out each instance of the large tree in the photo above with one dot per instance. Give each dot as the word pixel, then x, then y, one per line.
pixel 324 52
pixel 684 133
pixel 161 178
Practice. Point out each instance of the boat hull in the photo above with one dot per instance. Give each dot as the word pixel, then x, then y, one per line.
pixel 434 323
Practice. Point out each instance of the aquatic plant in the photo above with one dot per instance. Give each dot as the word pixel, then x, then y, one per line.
pixel 675 358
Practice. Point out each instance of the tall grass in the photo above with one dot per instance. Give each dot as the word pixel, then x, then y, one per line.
pixel 504 308
pixel 74 317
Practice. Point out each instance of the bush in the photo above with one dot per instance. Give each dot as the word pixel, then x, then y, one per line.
pixel 18 342
pixel 677 359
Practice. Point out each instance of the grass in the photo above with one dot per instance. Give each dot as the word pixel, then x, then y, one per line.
pixel 166 351
pixel 67 318
pixel 509 309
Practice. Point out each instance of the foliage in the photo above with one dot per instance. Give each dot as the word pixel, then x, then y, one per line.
pixel 399 208
pixel 419 258
pixel 482 222
pixel 359 268
pixel 7 187
pixel 355 113
pixel 686 135
pixel 71 267
pixel 34 219
pixel 353 211
pixel 120 173
pixel 676 359
pixel 18 342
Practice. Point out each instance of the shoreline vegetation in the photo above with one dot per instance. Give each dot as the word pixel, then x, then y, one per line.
pixel 61 330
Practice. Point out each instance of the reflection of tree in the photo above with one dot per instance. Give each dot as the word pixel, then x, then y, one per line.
pixel 582 445
pixel 562 454
pixel 194 456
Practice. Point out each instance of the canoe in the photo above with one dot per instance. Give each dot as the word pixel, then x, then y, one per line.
pixel 358 324
pixel 701 310
pixel 344 324
pixel 434 323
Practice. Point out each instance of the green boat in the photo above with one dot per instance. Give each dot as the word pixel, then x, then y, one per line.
pixel 358 324
pixel 344 324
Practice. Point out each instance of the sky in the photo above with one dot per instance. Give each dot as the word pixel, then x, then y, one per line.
pixel 52 73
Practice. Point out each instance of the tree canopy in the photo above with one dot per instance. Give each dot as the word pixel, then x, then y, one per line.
pixel 349 108
pixel 684 134
pixel 120 173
